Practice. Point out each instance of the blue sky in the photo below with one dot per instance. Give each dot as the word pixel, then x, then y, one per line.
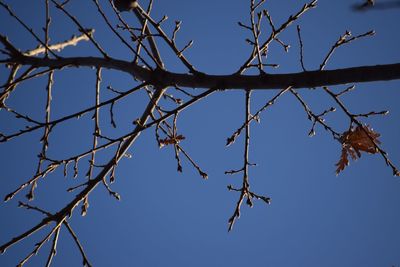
pixel 166 218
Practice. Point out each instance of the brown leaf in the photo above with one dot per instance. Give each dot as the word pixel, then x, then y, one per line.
pixel 355 141
pixel 343 162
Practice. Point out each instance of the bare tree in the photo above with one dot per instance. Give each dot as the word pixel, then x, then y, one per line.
pixel 169 94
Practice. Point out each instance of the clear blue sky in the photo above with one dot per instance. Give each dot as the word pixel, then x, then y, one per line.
pixel 166 218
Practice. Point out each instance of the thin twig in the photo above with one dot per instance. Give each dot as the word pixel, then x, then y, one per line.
pixel 81 28
pixel 301 48
pixel 343 39
pixel 276 32
pixel 256 115
pixel 30 30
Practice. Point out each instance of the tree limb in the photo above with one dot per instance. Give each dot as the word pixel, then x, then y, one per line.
pixel 234 81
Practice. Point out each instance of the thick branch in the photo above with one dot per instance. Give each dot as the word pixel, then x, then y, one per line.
pixel 235 81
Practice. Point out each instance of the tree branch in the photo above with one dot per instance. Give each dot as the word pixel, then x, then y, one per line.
pixel 263 81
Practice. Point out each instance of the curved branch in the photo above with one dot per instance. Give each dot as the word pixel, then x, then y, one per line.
pixel 263 81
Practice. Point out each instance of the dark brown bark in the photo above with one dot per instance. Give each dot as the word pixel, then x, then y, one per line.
pixel 235 81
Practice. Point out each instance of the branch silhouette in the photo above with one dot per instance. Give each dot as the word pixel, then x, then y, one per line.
pixel 148 41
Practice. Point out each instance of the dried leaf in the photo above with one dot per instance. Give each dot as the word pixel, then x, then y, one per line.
pixel 355 141
pixel 343 162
